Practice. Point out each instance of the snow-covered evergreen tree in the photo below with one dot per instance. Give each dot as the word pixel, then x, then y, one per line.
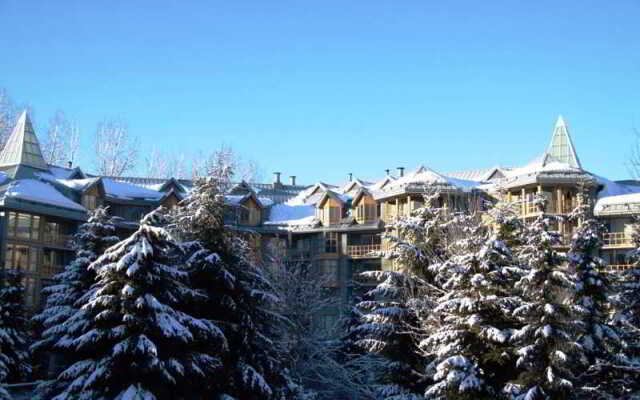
pixel 390 315
pixel 602 341
pixel 467 333
pixel 547 347
pixel 137 343
pixel 63 296
pixel 237 295
pixel 15 363
pixel 626 316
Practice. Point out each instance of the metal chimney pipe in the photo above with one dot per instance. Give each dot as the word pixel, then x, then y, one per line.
pixel 350 176
pixel 276 177
pixel 292 178
pixel 387 172
pixel 401 171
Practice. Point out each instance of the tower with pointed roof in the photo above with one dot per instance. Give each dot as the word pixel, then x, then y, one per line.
pixel 561 148
pixel 22 149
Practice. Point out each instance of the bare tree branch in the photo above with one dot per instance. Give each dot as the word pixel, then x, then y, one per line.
pixel 116 152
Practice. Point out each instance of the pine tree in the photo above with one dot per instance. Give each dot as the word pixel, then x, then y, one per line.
pixel 467 333
pixel 15 363
pixel 65 294
pixel 237 295
pixel 548 353
pixel 602 341
pixel 626 316
pixel 137 343
pixel 390 315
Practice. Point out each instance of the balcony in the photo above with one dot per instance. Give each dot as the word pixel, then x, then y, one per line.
pixel 59 240
pixel 614 240
pixel 618 267
pixel 364 250
pixel 50 270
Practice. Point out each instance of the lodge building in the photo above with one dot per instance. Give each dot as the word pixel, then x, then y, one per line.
pixel 335 227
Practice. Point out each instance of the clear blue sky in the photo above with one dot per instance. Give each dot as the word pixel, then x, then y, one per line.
pixel 320 89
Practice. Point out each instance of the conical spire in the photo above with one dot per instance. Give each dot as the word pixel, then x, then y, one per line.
pixel 23 148
pixel 561 148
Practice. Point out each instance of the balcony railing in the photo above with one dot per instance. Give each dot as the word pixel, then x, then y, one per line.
pixel 50 270
pixel 59 240
pixel 363 251
pixel 617 239
pixel 618 267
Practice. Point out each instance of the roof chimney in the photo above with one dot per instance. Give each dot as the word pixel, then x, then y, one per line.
pixel 401 171
pixel 386 172
pixel 292 178
pixel 276 178
pixel 350 175
pixel 70 164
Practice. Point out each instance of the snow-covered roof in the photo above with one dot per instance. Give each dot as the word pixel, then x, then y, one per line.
pixel 40 192
pixel 426 176
pixel 127 191
pixel 620 204
pixel 480 174
pixel 293 215
pixel 62 172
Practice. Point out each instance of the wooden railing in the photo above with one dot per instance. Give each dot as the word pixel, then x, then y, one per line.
pixel 50 270
pixel 618 267
pixel 617 239
pixel 59 240
pixel 363 251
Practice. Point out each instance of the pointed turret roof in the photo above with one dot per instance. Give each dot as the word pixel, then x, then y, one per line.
pixel 561 148
pixel 23 148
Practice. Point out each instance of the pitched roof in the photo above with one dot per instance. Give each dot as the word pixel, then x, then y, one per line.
pixel 22 147
pixel 561 148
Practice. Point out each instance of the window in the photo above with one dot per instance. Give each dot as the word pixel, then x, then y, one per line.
pixel 331 242
pixel 23 227
pixel 244 215
pixel 30 292
pixel 367 212
pixel 20 257
pixel 334 215
pixel 89 201
pixel 51 232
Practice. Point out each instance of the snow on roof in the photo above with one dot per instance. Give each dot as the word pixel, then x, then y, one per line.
pixel 75 184
pixel 478 175
pixel 543 164
pixel 41 192
pixel 287 214
pixel 424 175
pixel 611 188
pixel 61 172
pixel 3 177
pixel 129 191
pixel 623 199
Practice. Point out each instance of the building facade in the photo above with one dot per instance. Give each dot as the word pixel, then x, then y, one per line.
pixel 336 227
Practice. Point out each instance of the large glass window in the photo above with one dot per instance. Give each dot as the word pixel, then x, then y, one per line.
pixel 331 242
pixel 20 257
pixel 24 226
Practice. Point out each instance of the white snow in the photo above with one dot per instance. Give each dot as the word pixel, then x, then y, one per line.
pixel 41 192
pixel 286 214
pixel 427 176
pixel 603 203
pixel 129 191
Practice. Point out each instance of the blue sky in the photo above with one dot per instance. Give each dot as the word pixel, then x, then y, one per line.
pixel 320 89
